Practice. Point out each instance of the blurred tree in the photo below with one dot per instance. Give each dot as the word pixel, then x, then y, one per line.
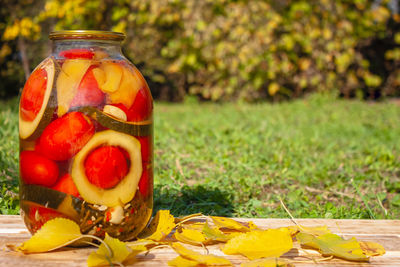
pixel 227 49
pixel 18 27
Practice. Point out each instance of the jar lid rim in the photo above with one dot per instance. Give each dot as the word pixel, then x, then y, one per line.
pixel 86 34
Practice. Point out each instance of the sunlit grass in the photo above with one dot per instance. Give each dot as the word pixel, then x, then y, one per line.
pixel 324 158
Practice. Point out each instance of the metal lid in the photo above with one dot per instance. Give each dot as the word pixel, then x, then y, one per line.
pixel 87 34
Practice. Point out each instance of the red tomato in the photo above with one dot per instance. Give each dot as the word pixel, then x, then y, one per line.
pixel 33 94
pixel 142 107
pixel 65 136
pixel 89 93
pixel 145 147
pixel 106 166
pixel 66 185
pixel 145 182
pixel 126 155
pixel 40 215
pixel 77 53
pixel 36 169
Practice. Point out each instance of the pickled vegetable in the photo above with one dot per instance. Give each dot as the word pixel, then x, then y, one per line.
pixel 113 73
pixel 114 123
pixel 66 185
pixel 88 93
pixel 142 107
pixel 77 53
pixel 32 98
pixel 70 77
pixel 131 83
pixel 125 189
pixel 36 169
pixel 145 183
pixel 115 112
pixel 106 166
pixel 37 216
pixel 35 111
pixel 86 138
pixel 65 136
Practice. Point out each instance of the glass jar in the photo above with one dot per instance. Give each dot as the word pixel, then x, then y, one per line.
pixel 86 138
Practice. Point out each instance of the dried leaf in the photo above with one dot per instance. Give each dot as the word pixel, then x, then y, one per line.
pixel 160 226
pixel 188 218
pixel 190 236
pixel 259 244
pixel 182 262
pixel 215 234
pixel 252 226
pixel 144 244
pixel 334 245
pixel 194 226
pixel 55 233
pixel 223 222
pixel 208 260
pixel 315 230
pixel 241 238
pixel 293 230
pixel 267 262
pixel 372 248
pixel 119 253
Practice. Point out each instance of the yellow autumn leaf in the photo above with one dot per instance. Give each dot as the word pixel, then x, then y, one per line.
pixel 223 222
pixel 55 233
pixel 111 251
pixel 193 225
pixel 215 234
pixel 252 226
pixel 160 226
pixel 372 248
pixel 334 245
pixel 293 230
pixel 313 230
pixel 144 244
pixel 259 244
pixel 186 218
pixel 190 236
pixel 182 262
pixel 208 260
pixel 267 262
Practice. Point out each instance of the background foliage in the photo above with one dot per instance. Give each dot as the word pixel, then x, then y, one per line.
pixel 223 49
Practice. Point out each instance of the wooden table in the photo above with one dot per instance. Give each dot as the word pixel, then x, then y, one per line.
pixel 385 232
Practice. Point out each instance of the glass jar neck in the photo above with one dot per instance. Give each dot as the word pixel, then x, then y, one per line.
pixel 112 48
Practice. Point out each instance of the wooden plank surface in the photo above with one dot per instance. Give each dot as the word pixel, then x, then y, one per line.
pixel 385 232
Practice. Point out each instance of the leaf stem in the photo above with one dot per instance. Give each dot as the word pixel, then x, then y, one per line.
pixel 290 214
pixel 102 242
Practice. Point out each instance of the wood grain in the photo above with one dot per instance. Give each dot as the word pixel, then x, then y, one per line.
pixel 385 232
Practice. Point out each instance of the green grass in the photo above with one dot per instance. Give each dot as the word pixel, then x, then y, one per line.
pixel 324 157
pixel 9 157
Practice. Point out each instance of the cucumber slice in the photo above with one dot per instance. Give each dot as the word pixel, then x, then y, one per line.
pixel 143 128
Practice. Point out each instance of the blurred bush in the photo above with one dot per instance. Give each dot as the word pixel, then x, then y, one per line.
pixel 224 50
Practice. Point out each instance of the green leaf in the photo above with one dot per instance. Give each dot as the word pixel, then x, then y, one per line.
pixel 334 245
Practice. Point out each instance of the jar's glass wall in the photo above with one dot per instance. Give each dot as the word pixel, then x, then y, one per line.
pixel 86 139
